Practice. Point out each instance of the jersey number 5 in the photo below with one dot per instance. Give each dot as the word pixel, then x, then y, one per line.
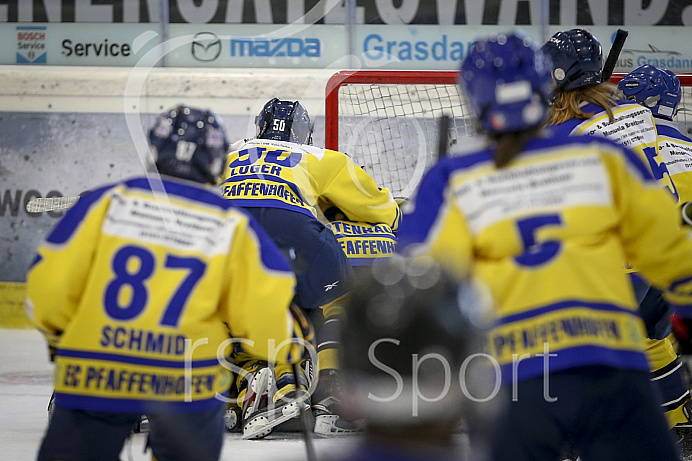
pixel 534 253
pixel 132 266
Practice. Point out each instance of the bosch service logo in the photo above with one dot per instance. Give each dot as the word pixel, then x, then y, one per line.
pixel 206 46
pixel 31 45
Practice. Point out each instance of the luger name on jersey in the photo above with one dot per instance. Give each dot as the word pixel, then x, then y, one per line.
pixel 281 174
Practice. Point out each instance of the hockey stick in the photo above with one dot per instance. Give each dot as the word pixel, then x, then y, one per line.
pixel 443 139
pixel 613 54
pixel 309 448
pixel 40 204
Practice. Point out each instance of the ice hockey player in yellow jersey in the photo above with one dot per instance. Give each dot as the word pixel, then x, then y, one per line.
pixel 364 243
pixel 583 104
pixel 279 177
pixel 659 90
pixel 545 221
pixel 139 288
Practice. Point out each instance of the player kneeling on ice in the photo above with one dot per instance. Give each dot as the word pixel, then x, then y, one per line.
pixel 545 221
pixel 279 177
pixel 137 288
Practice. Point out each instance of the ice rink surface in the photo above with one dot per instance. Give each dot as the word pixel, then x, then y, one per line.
pixel 26 385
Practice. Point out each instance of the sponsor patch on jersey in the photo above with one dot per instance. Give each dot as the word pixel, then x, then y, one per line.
pixel 550 185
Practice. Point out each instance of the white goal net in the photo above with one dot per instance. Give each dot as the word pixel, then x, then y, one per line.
pixel 388 121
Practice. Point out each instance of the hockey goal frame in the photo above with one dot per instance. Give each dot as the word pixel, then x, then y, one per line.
pixel 403 182
pixel 405 77
pixel 363 77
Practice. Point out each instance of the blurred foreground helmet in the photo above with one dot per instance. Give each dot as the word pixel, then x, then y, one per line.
pixel 190 144
pixel 284 121
pixel 408 330
pixel 657 89
pixel 577 58
pixel 507 82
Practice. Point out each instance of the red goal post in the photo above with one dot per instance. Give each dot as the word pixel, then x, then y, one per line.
pixel 387 120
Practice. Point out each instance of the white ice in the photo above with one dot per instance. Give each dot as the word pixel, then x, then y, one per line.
pixel 26 385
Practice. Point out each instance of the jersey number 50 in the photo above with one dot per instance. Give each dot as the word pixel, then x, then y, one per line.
pixel 279 157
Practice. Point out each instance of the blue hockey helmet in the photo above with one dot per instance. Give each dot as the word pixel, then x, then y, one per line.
pixel 284 121
pixel 507 81
pixel 657 89
pixel 189 143
pixel 577 58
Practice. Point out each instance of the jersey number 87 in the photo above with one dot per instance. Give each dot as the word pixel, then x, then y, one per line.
pixel 122 264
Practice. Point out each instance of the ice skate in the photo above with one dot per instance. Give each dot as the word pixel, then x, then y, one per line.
pixel 325 408
pixel 142 425
pixel 231 418
pixel 261 414
pixel 261 423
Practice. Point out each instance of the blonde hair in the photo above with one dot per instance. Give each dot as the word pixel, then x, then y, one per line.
pixel 566 106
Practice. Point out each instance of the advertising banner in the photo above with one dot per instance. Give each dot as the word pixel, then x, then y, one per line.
pixel 87 45
pixel 432 47
pixel 443 47
pixel 395 12
pixel 304 46
pixel 243 45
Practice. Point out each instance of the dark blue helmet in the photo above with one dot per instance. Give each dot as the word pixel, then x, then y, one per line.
pixel 284 121
pixel 190 144
pixel 657 89
pixel 676 88
pixel 577 58
pixel 507 82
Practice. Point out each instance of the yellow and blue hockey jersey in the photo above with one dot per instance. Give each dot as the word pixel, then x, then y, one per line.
pixel 548 234
pixel 632 127
pixel 676 151
pixel 280 174
pixel 138 285
pixel 364 243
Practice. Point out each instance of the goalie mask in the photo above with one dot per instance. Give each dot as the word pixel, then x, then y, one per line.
pixel 577 59
pixel 189 144
pixel 284 121
pixel 507 82
pixel 408 330
pixel 657 89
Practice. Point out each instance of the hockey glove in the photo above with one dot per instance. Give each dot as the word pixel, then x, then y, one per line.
pixel 682 329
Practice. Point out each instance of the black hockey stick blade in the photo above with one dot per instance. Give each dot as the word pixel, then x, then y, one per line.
pixel 614 54
pixel 443 139
pixel 309 447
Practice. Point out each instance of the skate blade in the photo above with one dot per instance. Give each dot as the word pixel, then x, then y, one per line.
pixel 325 425
pixel 261 426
